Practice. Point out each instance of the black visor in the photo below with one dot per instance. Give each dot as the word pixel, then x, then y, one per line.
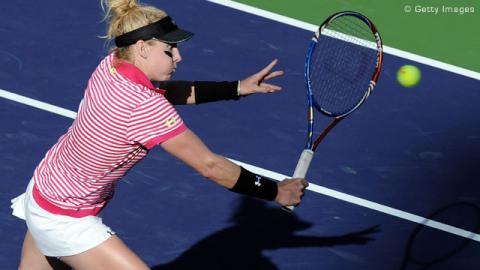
pixel 164 30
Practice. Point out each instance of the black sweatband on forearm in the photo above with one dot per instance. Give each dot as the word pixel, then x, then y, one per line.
pixel 177 92
pixel 255 185
pixel 207 91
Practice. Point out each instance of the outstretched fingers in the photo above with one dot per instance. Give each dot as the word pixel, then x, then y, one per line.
pixel 267 74
pixel 274 74
pixel 269 88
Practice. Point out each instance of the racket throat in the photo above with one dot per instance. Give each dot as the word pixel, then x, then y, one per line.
pixel 325 132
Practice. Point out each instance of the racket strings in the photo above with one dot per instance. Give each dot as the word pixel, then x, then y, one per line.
pixel 342 65
pixel 355 30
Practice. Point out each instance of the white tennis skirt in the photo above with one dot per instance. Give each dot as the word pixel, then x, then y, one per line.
pixel 58 235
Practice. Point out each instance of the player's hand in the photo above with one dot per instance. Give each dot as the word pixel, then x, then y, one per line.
pixel 256 82
pixel 291 191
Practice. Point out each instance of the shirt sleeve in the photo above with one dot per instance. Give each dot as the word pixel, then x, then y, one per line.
pixel 154 121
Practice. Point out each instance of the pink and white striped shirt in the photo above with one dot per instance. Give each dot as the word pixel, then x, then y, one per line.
pixel 120 118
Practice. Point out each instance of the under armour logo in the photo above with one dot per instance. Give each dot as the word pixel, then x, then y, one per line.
pixel 257 183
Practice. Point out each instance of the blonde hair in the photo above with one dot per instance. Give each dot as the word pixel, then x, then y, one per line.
pixel 124 16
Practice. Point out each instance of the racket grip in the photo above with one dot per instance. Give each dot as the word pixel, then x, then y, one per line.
pixel 303 164
pixel 301 170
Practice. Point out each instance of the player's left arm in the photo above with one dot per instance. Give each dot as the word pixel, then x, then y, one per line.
pixel 197 92
pixel 188 148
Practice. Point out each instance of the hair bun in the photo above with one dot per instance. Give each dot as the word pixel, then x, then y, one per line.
pixel 120 8
pixel 123 16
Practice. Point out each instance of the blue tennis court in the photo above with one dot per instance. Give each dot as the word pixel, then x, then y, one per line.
pixel 407 157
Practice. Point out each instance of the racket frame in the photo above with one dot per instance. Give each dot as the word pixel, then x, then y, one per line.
pixel 307 154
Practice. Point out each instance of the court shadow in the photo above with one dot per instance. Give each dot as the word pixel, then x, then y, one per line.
pixel 427 247
pixel 257 227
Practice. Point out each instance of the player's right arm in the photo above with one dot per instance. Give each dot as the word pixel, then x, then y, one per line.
pixel 191 150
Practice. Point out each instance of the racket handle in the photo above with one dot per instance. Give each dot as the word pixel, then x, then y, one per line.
pixel 301 170
pixel 303 164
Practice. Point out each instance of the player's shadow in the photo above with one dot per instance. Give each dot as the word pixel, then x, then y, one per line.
pixel 257 227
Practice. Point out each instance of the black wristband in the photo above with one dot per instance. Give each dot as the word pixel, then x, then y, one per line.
pixel 207 91
pixel 255 185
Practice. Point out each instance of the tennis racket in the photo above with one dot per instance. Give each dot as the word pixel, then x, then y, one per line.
pixel 342 66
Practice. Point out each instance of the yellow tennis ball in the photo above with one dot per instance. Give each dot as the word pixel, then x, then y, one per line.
pixel 408 76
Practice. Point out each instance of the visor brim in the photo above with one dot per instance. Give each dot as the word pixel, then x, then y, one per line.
pixel 176 36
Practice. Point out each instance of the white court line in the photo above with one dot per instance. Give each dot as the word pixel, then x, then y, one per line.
pixel 368 204
pixel 311 27
pixel 37 104
pixel 277 176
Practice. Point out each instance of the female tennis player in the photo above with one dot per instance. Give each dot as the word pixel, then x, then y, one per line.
pixel 121 117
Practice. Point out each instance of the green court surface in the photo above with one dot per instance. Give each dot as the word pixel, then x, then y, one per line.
pixel 444 30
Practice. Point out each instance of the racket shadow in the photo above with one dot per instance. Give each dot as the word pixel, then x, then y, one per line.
pixel 256 228
pixel 427 247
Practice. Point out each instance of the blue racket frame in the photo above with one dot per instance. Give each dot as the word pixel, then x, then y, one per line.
pixel 311 102
pixel 307 154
